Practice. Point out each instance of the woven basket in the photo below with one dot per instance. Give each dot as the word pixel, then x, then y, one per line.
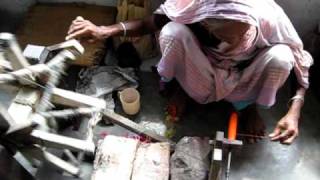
pixel 131 10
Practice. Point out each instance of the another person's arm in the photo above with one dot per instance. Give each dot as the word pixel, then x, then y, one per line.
pixel 287 129
pixel 81 28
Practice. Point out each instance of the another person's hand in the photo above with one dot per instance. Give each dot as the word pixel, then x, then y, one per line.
pixel 287 129
pixel 84 29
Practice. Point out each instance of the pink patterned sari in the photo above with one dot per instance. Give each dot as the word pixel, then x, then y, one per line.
pixel 264 31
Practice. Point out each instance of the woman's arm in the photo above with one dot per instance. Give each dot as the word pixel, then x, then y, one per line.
pixel 287 128
pixel 81 28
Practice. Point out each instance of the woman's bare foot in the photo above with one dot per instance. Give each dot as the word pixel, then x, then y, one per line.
pixel 251 124
pixel 175 109
pixel 177 104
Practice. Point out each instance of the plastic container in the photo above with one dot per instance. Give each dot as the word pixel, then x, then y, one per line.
pixel 130 101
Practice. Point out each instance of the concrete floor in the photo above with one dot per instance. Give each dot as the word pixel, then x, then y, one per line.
pixel 268 160
pixel 264 160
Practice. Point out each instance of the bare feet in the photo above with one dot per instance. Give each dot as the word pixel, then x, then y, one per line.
pixel 177 103
pixel 251 124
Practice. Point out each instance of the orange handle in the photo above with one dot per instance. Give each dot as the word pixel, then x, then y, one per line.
pixel 233 125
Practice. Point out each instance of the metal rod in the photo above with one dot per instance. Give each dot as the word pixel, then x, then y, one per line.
pixel 58 66
pixel 23 74
pixel 13 51
pixel 54 160
pixel 42 155
pixel 71 157
pixel 93 121
pixel 134 127
pixel 62 142
pixel 67 113
pixel 228 165
pixel 253 136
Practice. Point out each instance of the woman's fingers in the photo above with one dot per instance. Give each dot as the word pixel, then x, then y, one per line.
pixel 275 133
pixel 80 23
pixel 84 29
pixel 284 135
pixel 77 22
pixel 76 28
pixel 77 34
pixel 290 140
pixel 280 136
pixel 77 25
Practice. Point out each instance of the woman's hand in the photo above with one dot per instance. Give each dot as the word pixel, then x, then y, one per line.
pixel 84 29
pixel 287 129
